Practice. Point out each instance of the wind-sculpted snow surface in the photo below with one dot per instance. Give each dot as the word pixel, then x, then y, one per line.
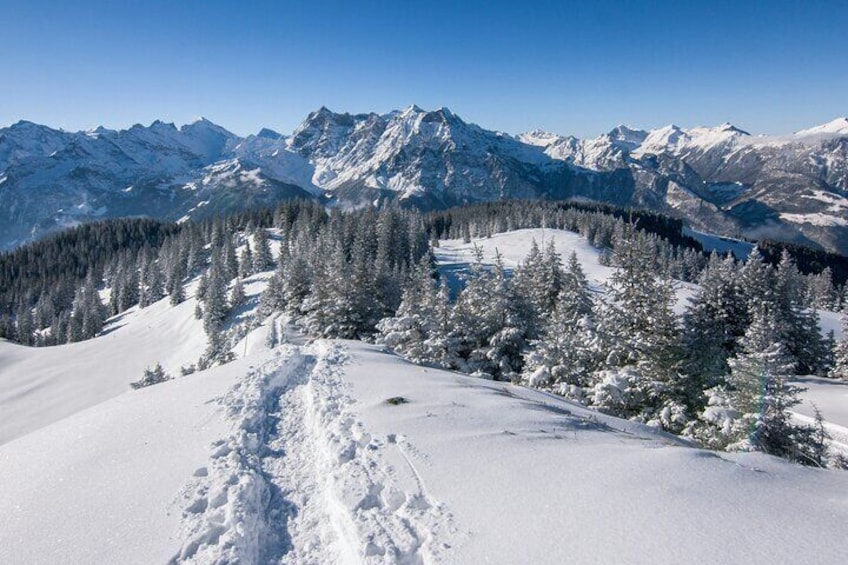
pixel 300 480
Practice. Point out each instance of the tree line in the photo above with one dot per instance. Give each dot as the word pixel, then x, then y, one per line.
pixel 719 374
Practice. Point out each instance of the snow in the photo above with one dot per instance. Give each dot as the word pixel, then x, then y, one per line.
pixel 720 244
pixel 816 219
pixel 835 202
pixel 838 126
pixel 295 454
pixel 831 321
pixel 334 451
pixel 39 386
pixel 530 478
pixel 454 257
pixel 102 485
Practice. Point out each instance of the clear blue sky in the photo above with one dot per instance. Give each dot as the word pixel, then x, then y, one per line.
pixel 569 67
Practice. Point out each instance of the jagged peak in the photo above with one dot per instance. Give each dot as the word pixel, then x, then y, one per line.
pixel 443 115
pixel 728 127
pixel 160 126
pixel 622 132
pixel 98 131
pixel 202 124
pixel 322 112
pixel 267 133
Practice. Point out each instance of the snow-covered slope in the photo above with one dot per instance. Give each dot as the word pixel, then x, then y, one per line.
pixel 338 452
pixel 719 179
pixel 39 386
pixel 295 454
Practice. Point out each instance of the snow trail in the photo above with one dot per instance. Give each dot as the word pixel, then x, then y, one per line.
pixel 300 480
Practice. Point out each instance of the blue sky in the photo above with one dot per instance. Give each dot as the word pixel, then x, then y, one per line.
pixel 569 67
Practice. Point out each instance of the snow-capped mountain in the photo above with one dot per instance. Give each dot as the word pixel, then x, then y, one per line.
pixel 720 179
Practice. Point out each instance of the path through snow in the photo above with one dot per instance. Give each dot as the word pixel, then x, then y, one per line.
pixel 301 480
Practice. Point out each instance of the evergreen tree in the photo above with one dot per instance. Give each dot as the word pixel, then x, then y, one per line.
pixel 716 318
pixel 151 377
pixel 89 313
pixel 215 307
pixel 246 263
pixel 568 351
pixel 537 283
pixel 409 329
pixel 797 319
pixel 237 296
pixel 262 258
pixel 152 283
pixel 177 291
pixel 24 325
pixel 640 331
pixel 822 293
pixel 229 259
pixel 840 354
pixel 751 412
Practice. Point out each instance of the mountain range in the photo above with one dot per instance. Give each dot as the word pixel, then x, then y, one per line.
pixel 718 179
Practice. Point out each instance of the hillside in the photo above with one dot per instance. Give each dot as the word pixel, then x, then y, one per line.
pixel 465 470
pixel 336 451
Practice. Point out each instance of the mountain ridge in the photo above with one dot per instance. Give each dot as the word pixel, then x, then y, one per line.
pixel 720 179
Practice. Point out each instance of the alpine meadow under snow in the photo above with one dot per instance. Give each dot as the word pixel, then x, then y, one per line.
pixel 525 382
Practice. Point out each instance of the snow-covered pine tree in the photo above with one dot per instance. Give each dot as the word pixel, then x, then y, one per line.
pixel 751 412
pixel 246 262
pixel 152 282
pixel 441 345
pixel 88 315
pixel 840 354
pixel 215 308
pixel 407 331
pixel 567 353
pixel 229 258
pixel 24 325
pixel 151 377
pixel 128 290
pixel 821 291
pixel 297 275
pixel 640 332
pixel 756 281
pixel 716 318
pixel 537 283
pixel 262 258
pixel 237 296
pixel 329 268
pixel 574 294
pixel 273 297
pixel 798 319
pixel 176 291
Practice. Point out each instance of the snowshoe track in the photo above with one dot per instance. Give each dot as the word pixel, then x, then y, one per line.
pixel 301 481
